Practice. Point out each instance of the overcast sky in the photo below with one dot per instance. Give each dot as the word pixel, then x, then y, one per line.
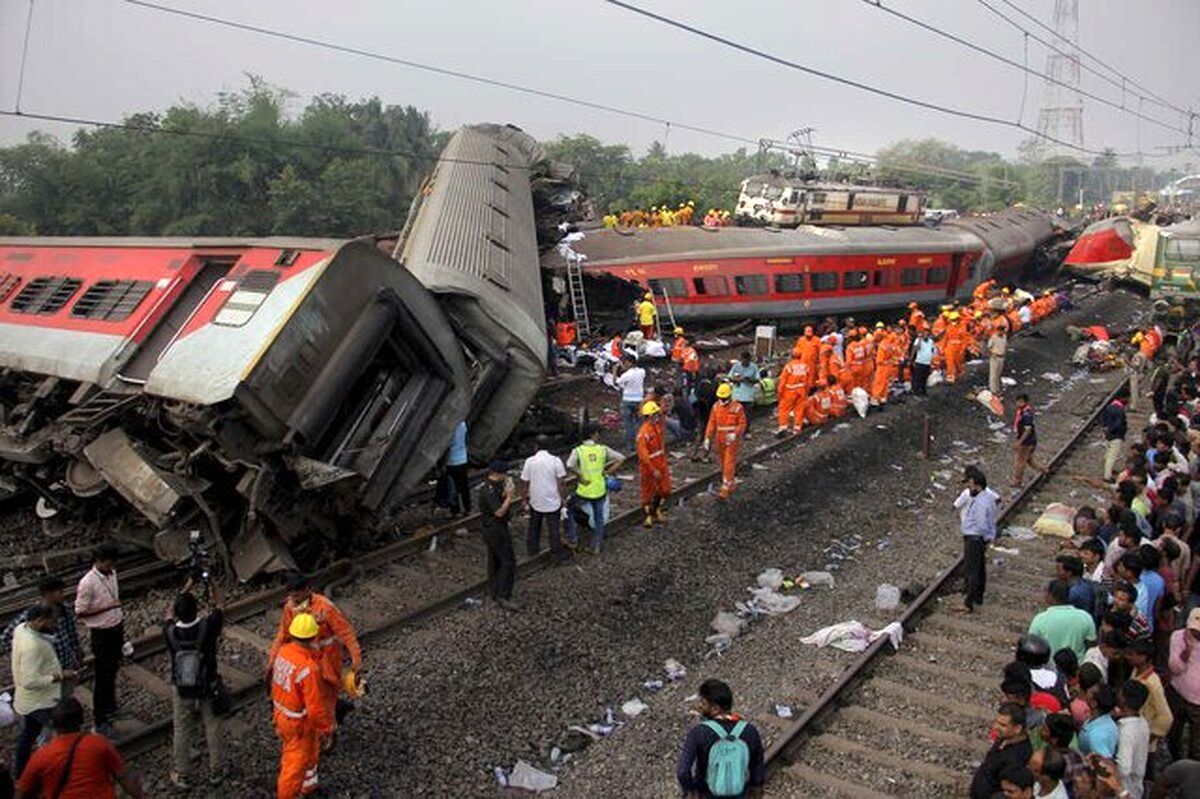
pixel 103 59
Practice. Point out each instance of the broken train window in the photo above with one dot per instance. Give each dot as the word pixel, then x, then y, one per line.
pixel 251 291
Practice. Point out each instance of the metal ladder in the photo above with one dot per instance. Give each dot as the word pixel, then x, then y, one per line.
pixel 97 408
pixel 579 307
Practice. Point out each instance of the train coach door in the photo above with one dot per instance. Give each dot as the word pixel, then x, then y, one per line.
pixel 956 274
pixel 198 288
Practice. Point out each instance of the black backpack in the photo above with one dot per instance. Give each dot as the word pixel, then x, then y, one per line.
pixel 187 662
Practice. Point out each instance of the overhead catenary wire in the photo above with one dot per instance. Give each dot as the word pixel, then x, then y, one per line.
pixel 24 55
pixel 859 84
pixel 1025 68
pixel 1150 94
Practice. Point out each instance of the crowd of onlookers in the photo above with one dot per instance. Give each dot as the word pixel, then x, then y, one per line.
pixel 1102 698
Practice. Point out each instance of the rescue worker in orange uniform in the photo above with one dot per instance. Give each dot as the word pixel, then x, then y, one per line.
pixel 955 346
pixel 689 362
pixel 616 347
pixel 652 460
pixel 856 362
pixel 887 365
pixel 726 425
pixel 817 407
pixel 302 720
pixel 678 345
pixel 939 324
pixel 792 388
pixel 983 290
pixel 808 349
pixel 829 363
pixel 336 639
pixel 916 317
pixel 838 404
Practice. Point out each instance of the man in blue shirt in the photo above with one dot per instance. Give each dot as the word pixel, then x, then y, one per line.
pixel 923 350
pixel 744 377
pixel 1081 593
pixel 1150 585
pixel 456 470
pixel 976 507
pixel 1099 733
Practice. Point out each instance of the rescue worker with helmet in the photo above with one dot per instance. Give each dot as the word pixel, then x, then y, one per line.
pixel 647 313
pixel 838 403
pixel 302 719
pixel 887 365
pixel 830 362
pixel 678 345
pixel 794 382
pixel 726 424
pixel 916 317
pixel 689 362
pixel 808 349
pixel 652 460
pixel 335 640
pixel 955 346
pixel 856 361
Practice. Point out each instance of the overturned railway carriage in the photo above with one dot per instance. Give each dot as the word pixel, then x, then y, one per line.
pixel 727 273
pixel 282 396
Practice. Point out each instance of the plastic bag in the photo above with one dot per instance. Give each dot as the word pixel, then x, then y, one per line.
pixel 990 401
pixel 1057 520
pixel 772 603
pixel 770 578
pixel 815 579
pixel 728 624
pixel 633 707
pixel 8 716
pixel 528 778
pixel 887 597
pixel 861 401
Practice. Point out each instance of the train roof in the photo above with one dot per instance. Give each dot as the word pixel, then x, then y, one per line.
pixel 1188 228
pixel 608 247
pixel 175 242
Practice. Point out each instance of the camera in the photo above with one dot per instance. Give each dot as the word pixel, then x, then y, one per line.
pixel 198 564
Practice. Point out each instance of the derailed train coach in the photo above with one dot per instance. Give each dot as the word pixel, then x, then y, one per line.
pixel 281 396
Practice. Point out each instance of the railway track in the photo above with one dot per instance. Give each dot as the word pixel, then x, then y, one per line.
pixel 914 722
pixel 365 587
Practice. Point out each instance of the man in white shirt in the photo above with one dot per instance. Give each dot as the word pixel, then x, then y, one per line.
pixel 1133 737
pixel 98 606
pixel 543 474
pixel 632 382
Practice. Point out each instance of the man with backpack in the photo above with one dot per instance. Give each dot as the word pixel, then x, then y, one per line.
pixel 723 754
pixel 192 646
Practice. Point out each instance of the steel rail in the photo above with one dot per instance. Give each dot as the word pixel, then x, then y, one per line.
pixel 793 738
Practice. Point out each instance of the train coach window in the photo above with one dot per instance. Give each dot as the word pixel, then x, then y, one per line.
pixel 8 283
pixel 855 280
pixel 111 300
pixel 750 284
pixel 45 295
pixel 912 277
pixel 823 281
pixel 1176 250
pixel 789 283
pixel 244 300
pixel 670 286
pixel 710 286
pixel 937 274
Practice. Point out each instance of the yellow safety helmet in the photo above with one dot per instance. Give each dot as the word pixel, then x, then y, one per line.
pixel 724 391
pixel 947 307
pixel 691 203
pixel 681 205
pixel 979 314
pixel 679 331
pixel 879 325
pixel 1137 338
pixel 650 408
pixel 303 626
pixel 1006 290
pixel 648 296
pixel 954 315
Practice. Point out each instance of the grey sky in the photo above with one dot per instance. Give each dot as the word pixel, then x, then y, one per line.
pixel 104 58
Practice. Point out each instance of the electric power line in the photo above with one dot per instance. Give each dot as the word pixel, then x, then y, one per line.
pixel 857 84
pixel 1150 94
pixel 1015 64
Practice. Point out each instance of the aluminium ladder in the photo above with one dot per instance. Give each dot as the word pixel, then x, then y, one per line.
pixel 579 307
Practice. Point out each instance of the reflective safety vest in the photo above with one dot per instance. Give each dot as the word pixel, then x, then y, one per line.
pixel 592 484
pixel 768 394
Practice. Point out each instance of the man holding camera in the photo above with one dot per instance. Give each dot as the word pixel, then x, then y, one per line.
pixel 192 645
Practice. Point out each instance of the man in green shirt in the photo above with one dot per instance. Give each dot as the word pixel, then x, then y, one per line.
pixel 1063 625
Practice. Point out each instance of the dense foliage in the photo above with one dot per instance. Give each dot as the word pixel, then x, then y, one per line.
pixel 246 166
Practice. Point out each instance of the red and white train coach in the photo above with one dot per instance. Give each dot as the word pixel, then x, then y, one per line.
pixel 729 272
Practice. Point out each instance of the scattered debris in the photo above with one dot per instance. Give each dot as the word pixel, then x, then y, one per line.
pixel 887 597
pixel 814 579
pixel 1057 520
pixel 473 602
pixel 853 636
pixel 1007 381
pixel 783 711
pixel 997 426
pixel 1020 533
pixel 1053 377
pixel 653 686
pixel 770 578
pixel 633 708
pixel 528 778
pixel 675 670
pixel 1006 550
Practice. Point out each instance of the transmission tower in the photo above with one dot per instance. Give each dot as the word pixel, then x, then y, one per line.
pixel 1061 114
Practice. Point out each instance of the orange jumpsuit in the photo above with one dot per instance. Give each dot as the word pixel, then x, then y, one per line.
pixel 652 458
pixel 689 361
pixel 817 408
pixel 856 359
pixel 793 385
pixel 677 349
pixel 982 290
pixel 1151 341
pixel 1014 320
pixel 956 341
pixel 300 717
pixel 726 424
pixel 824 356
pixel 808 349
pixel 887 368
pixel 916 318
pixel 334 639
pixel 615 347
pixel 838 404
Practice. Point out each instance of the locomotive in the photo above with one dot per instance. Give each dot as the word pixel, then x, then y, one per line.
pixel 282 396
pixel 785 201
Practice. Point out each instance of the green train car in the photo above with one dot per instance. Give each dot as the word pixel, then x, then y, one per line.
pixel 1175 281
